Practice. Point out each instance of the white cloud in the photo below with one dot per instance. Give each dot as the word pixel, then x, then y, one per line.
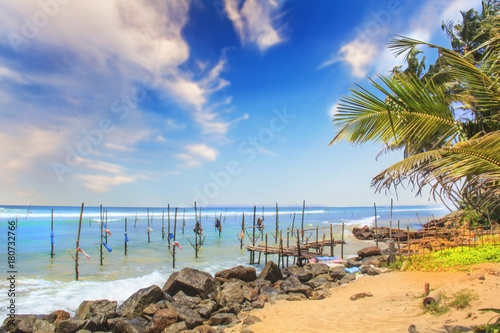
pixel 196 154
pixel 103 183
pixel 359 56
pixel 203 151
pixel 333 110
pixel 118 147
pixel 253 21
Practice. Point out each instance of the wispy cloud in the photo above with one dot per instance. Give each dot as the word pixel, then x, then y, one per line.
pixel 196 154
pixel 103 183
pixel 254 21
pixel 334 109
pixel 367 51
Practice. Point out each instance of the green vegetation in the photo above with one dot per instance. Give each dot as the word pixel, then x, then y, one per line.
pixel 493 325
pixel 446 120
pixel 459 301
pixel 457 259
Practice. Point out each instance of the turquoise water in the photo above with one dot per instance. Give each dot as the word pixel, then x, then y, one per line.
pixel 45 284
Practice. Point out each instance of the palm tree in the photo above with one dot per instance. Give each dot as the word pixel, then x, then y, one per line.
pixel 422 114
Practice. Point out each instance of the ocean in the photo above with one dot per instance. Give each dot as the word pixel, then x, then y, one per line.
pixel 44 284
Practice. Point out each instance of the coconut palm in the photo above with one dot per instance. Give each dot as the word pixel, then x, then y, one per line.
pixel 459 157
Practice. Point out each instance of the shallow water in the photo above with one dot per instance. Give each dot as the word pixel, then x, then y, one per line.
pixel 44 284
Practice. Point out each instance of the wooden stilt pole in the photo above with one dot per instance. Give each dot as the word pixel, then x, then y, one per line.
pixel 162 224
pixel 149 238
pixel 253 235
pixel 331 239
pixel 77 273
pixel 102 236
pixel 342 245
pixel 52 234
pixel 183 220
pixel 299 262
pixel 277 222
pixel 266 251
pixel 303 208
pixel 196 246
pixel 125 246
pixel 242 231
pixel 168 225
pixel 293 222
pixel 175 234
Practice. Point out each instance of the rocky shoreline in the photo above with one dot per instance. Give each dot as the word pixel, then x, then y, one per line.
pixel 195 301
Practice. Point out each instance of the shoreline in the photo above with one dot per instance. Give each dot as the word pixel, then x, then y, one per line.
pixel 395 305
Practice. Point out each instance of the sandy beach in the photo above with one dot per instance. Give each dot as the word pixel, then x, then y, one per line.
pixel 395 305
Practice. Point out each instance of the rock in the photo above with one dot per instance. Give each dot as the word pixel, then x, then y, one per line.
pixel 26 325
pixel 319 268
pixel 175 328
pixel 259 283
pixel 320 294
pixel 191 317
pixel 89 309
pixel 348 278
pixel 246 330
pixel 246 274
pixel 337 272
pixel 271 272
pixel 69 325
pixel 373 260
pixel 57 315
pixel 270 291
pixel 370 270
pixel 140 300
pixel 192 282
pixel 293 285
pixel 232 292
pixel 205 308
pixel 98 312
pixel 296 297
pixel 259 304
pixel 304 276
pixel 360 231
pixel 43 326
pixel 250 320
pixel 204 329
pixel 327 286
pixel 221 319
pixel 352 263
pixel 319 280
pixel 161 319
pixel 136 325
pixel 357 296
pixel 369 251
pixel 187 301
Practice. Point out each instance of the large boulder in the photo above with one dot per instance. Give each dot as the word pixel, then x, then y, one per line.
pixel 270 291
pixel 162 319
pixel 370 270
pixel 337 272
pixel 304 276
pixel 135 304
pixel 190 317
pixel 192 282
pixel 70 325
pixel 205 308
pixel 319 281
pixel 222 319
pixel 185 300
pixel 232 293
pixel 293 285
pixel 136 325
pixel 271 272
pixel 26 325
pixel 97 311
pixel 369 251
pixel 319 268
pixel 247 274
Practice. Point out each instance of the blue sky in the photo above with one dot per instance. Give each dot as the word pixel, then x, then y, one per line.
pixel 226 102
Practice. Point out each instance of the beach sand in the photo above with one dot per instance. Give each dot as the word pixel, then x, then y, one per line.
pixel 395 305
